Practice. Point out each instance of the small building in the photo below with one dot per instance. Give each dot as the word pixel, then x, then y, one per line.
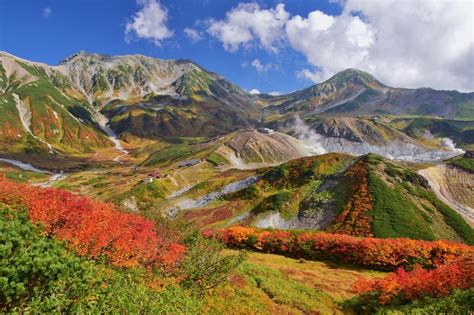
pixel 267 131
pixel 152 176
pixel 188 163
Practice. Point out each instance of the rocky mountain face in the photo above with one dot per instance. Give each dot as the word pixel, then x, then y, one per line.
pixel 392 138
pixel 354 92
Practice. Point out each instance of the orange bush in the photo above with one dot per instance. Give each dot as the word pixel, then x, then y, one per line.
pixel 382 254
pixel 419 283
pixel 356 217
pixel 96 229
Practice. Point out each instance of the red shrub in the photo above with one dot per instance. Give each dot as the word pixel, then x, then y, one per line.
pixel 418 283
pixel 356 217
pixel 382 254
pixel 94 228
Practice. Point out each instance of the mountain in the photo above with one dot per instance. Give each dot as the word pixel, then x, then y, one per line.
pixel 150 97
pixel 55 108
pixel 37 114
pixel 86 101
pixel 242 149
pixel 354 92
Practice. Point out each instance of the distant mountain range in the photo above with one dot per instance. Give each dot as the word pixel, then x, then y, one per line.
pixel 61 108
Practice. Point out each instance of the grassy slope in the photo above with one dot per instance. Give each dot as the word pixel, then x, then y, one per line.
pixel 405 207
pixel 274 284
pixel 463 163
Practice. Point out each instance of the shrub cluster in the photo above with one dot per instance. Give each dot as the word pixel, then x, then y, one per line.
pixel 96 229
pixel 402 287
pixel 380 254
pixel 356 217
pixel 39 275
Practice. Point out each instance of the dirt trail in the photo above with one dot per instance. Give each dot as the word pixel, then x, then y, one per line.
pixel 454 187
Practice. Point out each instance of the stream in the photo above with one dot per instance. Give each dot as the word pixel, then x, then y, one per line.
pixel 28 167
pixel 104 125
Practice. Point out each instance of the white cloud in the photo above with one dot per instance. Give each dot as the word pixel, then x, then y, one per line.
pixel 47 12
pixel 409 44
pixel 149 23
pixel 315 77
pixel 247 24
pixel 254 91
pixel 193 34
pixel 403 43
pixel 275 93
pixel 260 67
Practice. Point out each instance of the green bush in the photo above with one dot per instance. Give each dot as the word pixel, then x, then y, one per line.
pixel 273 203
pixel 205 267
pixel 36 272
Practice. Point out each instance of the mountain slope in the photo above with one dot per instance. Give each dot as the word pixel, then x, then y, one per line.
pixel 36 114
pixel 367 196
pixel 354 92
pixel 392 138
pixel 143 96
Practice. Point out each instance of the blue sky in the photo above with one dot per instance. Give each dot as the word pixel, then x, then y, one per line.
pixel 286 45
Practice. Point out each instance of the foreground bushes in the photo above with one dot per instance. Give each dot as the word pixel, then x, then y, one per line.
pixel 402 287
pixel 381 254
pixel 39 275
pixel 96 229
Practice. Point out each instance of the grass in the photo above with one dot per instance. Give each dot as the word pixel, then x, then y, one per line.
pixel 169 154
pixel 460 302
pixel 268 283
pixel 451 217
pixel 273 284
pixel 463 163
pixel 394 214
pixel 217 159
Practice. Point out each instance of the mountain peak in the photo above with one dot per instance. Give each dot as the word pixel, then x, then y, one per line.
pixel 352 74
pixel 83 55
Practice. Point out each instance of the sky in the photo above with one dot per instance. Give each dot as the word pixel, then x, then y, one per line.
pixel 263 46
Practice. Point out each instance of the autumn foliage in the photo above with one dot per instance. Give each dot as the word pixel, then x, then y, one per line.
pixel 381 254
pixel 356 217
pixel 402 286
pixel 96 229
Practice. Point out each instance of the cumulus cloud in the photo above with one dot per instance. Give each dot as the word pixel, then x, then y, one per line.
pixel 254 91
pixel 149 23
pixel 248 24
pixel 404 44
pixel 413 44
pixel 308 74
pixel 193 34
pixel 47 12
